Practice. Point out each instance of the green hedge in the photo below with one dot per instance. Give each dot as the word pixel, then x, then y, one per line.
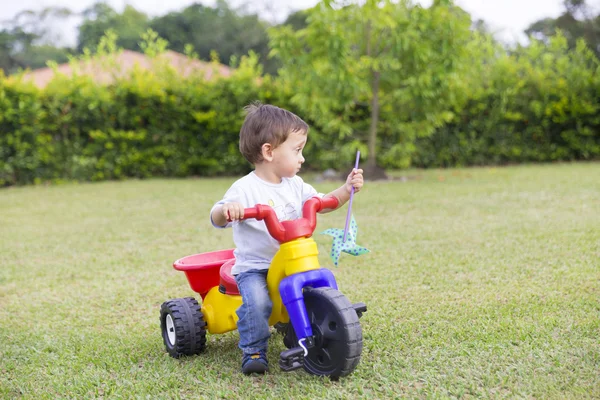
pixel 147 125
pixel 540 103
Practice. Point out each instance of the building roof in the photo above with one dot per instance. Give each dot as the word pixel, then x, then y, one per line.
pixel 124 62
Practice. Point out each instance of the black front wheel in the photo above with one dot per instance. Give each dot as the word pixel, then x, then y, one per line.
pixel 337 333
pixel 183 327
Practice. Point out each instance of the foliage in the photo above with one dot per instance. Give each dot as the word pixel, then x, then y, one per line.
pixel 297 19
pixel 18 50
pixel 11 41
pixel 150 123
pixel 381 72
pixel 101 17
pixel 23 149
pixel 223 29
pixel 539 104
pixel 578 21
pixel 27 40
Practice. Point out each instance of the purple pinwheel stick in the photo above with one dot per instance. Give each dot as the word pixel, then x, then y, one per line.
pixel 351 197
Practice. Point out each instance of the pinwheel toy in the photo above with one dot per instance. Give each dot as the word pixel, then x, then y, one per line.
pixel 345 240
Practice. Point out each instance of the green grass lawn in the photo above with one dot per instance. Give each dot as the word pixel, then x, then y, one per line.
pixel 481 283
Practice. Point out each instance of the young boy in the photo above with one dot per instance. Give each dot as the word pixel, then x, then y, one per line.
pixel 272 140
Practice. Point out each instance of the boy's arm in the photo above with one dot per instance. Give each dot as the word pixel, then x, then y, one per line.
pixel 217 216
pixel 220 214
pixel 355 179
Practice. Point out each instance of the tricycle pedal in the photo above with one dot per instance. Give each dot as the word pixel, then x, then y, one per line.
pixel 360 308
pixel 291 359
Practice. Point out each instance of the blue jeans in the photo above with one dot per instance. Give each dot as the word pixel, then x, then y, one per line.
pixel 253 322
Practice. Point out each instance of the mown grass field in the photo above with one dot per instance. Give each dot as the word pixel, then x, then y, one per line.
pixel 481 283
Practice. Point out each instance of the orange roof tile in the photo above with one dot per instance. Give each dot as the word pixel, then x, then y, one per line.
pixel 124 62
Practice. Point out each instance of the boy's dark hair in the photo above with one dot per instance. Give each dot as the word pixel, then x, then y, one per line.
pixel 265 123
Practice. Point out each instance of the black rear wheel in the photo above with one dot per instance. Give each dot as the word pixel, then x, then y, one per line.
pixel 183 327
pixel 337 333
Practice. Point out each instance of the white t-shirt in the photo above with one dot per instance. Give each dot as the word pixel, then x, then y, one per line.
pixel 255 247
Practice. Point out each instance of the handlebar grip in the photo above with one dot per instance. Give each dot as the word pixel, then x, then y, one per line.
pixel 251 212
pixel 330 202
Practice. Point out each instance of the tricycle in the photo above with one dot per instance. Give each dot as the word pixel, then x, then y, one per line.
pixel 320 326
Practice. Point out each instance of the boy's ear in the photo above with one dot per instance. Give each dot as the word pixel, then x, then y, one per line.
pixel 267 152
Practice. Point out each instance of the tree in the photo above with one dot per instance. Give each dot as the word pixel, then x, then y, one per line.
pixel 18 51
pixel 100 17
pixel 12 43
pixel 30 39
pixel 576 22
pixel 297 19
pixel 227 31
pixel 44 25
pixel 390 66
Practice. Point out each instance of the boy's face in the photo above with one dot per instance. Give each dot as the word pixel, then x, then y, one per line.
pixel 287 157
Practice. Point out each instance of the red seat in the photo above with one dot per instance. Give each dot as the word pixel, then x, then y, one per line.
pixel 227 283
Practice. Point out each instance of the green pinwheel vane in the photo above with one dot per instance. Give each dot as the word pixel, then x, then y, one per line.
pixel 345 240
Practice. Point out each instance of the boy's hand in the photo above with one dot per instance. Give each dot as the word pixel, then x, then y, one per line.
pixel 355 180
pixel 232 211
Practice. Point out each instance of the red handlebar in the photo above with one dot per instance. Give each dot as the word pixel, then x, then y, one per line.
pixel 289 230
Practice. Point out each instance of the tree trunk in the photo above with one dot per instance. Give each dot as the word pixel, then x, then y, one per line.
pixel 372 159
pixel 372 171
